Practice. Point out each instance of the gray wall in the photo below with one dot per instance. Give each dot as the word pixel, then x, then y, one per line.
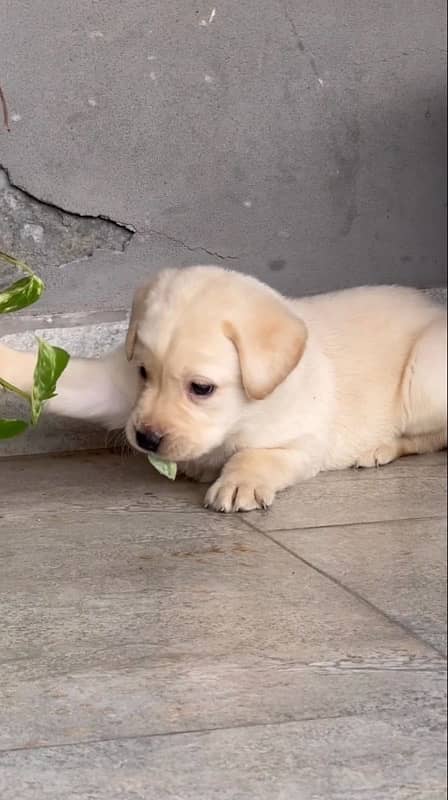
pixel 301 141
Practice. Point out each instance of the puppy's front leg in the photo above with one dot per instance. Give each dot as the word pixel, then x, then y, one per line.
pixel 102 390
pixel 251 478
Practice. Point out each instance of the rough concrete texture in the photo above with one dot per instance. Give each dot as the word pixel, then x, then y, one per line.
pixel 48 237
pixel 303 142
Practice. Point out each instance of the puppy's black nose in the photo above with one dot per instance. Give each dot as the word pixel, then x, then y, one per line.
pixel 148 439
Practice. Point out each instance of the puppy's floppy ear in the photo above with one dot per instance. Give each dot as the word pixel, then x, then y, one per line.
pixel 270 342
pixel 137 313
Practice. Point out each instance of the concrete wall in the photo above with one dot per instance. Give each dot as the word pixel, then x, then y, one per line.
pixel 302 141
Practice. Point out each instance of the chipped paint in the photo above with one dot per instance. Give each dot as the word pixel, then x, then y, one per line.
pixel 204 23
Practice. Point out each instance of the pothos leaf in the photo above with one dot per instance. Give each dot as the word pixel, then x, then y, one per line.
pixel 12 427
pixel 21 294
pixel 51 362
pixel 166 468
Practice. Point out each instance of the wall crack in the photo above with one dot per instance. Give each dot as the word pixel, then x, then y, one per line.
pixel 299 41
pixel 46 234
pixel 191 248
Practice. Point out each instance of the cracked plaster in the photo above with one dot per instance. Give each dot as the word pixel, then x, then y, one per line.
pixel 46 235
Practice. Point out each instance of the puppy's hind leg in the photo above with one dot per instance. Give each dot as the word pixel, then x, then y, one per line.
pixel 424 384
pixel 423 398
pixel 403 446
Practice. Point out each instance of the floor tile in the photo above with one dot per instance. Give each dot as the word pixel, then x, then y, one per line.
pixel 399 566
pixel 409 488
pixel 136 623
pixel 150 650
pixel 94 480
pixel 358 758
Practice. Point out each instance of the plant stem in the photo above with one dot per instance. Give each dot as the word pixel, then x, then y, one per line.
pixel 10 388
pixel 16 263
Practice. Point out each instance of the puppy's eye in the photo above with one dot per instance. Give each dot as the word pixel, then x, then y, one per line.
pixel 142 372
pixel 202 389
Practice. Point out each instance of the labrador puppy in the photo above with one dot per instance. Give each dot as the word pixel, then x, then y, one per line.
pixel 252 392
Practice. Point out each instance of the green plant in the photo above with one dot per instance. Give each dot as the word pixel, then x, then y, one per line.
pixel 51 361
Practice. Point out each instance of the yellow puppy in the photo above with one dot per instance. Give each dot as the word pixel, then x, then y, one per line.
pixel 256 392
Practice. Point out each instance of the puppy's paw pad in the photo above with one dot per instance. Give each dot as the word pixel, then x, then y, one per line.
pixel 228 495
pixel 378 457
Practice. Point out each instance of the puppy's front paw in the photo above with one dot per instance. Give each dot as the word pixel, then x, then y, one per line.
pixel 237 493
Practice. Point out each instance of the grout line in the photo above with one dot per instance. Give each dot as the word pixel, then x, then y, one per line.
pixel 306 528
pixel 356 595
pixel 190 731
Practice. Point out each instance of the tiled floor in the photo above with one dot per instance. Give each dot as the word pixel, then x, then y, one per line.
pixel 153 650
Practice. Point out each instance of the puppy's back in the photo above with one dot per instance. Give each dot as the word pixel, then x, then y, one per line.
pixel 367 334
pixel 368 320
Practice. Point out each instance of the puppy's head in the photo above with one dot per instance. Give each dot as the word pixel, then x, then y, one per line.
pixel 207 343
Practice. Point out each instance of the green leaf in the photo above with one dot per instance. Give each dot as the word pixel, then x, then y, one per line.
pixel 51 362
pixel 20 294
pixel 12 427
pixel 166 468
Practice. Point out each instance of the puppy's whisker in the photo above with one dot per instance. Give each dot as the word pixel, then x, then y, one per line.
pixel 112 439
pixel 117 440
pixel 125 448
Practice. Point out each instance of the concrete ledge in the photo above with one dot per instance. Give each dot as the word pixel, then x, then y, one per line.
pixel 87 335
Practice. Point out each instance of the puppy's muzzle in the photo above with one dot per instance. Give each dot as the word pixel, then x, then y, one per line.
pixel 148 439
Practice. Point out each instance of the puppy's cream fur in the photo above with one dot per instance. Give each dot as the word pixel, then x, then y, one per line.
pixel 356 377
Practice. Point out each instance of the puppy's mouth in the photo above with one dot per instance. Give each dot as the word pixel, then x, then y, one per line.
pixel 164 446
